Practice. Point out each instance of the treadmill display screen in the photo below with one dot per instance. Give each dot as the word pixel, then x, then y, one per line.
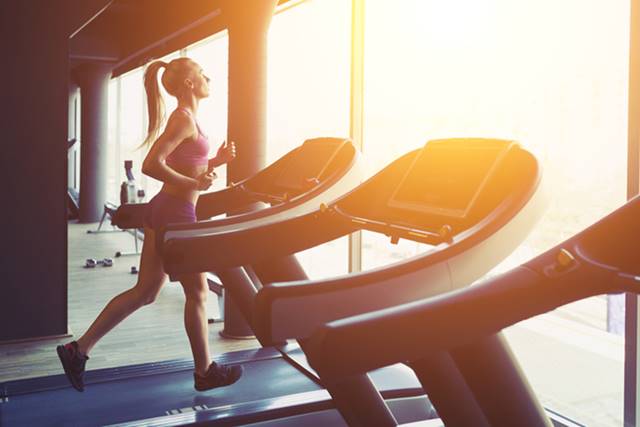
pixel 446 178
pixel 309 162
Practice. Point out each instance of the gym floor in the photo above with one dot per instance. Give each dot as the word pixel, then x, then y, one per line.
pixel 153 333
pixel 575 368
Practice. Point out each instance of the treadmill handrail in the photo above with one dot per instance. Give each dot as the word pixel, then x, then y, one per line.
pixel 560 275
pixel 228 199
pixel 444 250
pixel 442 322
pixel 222 201
pixel 390 278
pixel 396 231
pixel 203 228
pixel 266 197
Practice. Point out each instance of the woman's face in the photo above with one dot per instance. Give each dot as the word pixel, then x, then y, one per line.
pixel 199 80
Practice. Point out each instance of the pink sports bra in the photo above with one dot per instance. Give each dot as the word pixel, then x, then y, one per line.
pixel 190 153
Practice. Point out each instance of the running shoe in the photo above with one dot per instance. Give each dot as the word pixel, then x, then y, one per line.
pixel 217 376
pixel 73 363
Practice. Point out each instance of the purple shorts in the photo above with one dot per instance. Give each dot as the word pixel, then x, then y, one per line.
pixel 165 208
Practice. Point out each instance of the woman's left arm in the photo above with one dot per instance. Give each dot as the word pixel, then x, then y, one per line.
pixel 226 153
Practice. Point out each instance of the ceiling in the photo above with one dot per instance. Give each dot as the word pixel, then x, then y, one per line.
pixel 128 33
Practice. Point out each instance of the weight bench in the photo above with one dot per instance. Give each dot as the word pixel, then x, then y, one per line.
pixel 111 211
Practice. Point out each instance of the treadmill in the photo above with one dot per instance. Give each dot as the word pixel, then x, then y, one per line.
pixel 320 170
pixel 320 167
pixel 472 201
pixel 602 259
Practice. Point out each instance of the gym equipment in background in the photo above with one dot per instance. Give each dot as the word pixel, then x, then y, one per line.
pixel 92 263
pixel 109 210
pixel 129 194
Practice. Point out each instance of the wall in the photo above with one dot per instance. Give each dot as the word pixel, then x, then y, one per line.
pixel 33 248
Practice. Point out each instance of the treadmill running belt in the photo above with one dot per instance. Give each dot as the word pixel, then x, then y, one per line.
pixel 149 396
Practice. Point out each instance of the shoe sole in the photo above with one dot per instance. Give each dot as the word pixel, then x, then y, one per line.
pixel 62 355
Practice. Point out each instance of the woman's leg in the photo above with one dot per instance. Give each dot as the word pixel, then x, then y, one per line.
pixel 195 319
pixel 151 277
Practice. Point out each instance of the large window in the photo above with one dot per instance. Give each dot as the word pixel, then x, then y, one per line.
pixel 113 146
pixel 551 75
pixel 308 95
pixel 132 124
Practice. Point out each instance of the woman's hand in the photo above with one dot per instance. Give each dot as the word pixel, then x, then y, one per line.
pixel 205 179
pixel 226 153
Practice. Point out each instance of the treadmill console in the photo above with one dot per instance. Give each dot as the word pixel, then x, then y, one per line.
pixel 446 176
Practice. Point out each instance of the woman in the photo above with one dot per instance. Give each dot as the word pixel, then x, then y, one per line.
pixel 179 158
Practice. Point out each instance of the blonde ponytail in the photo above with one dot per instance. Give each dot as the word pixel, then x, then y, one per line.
pixel 155 103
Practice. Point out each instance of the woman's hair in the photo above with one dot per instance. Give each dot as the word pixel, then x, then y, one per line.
pixel 174 72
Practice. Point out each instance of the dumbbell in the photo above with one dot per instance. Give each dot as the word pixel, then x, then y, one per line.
pixel 92 263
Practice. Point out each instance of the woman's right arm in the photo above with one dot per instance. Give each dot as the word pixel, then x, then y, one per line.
pixel 179 127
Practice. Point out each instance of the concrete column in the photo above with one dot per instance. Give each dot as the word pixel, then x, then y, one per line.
pixel 93 80
pixel 248 24
pixel 33 293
